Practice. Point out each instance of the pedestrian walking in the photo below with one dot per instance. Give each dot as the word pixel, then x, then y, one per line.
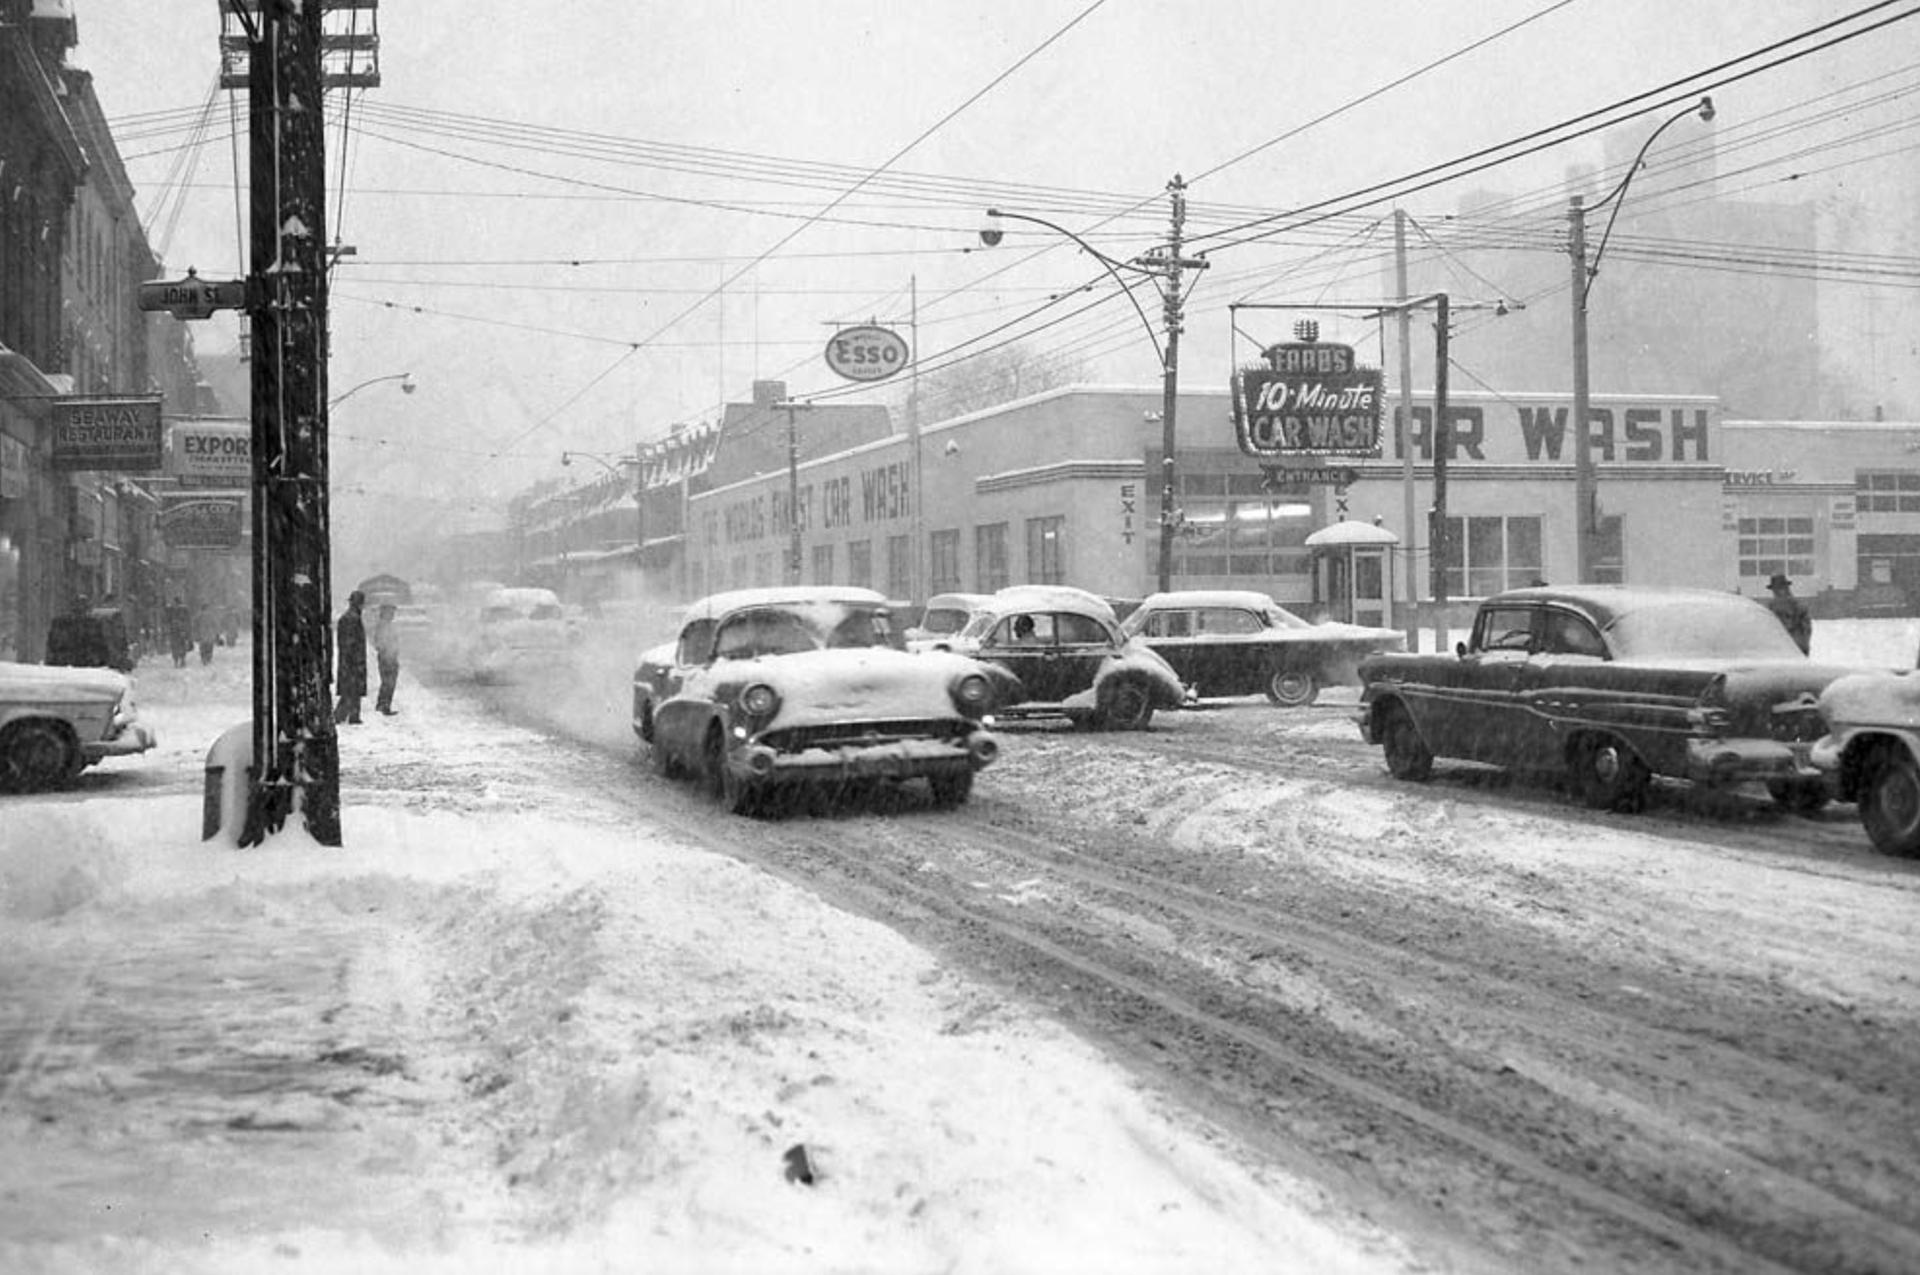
pixel 179 625
pixel 206 633
pixel 1791 612
pixel 350 660
pixel 386 653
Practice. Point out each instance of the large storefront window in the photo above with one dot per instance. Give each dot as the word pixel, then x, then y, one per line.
pixel 1235 532
pixel 1047 550
pixel 943 551
pixel 1487 555
pixel 990 556
pixel 1884 491
pixel 1776 546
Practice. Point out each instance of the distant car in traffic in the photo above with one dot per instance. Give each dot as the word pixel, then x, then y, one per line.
pixel 1608 686
pixel 56 721
pixel 1233 642
pixel 779 690
pixel 519 629
pixel 945 615
pixel 1872 751
pixel 1070 659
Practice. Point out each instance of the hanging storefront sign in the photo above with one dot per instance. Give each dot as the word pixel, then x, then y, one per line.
pixel 211 453
pixel 867 353
pixel 1307 399
pixel 121 434
pixel 201 520
pixel 13 468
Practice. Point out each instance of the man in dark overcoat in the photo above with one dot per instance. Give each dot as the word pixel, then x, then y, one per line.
pixel 350 660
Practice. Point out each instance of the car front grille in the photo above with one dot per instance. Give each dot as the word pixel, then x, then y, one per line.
pixel 1796 722
pixel 863 734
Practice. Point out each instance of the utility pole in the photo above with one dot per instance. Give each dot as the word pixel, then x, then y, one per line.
pixel 296 755
pixel 1410 502
pixel 1442 451
pixel 1585 496
pixel 793 410
pixel 1171 265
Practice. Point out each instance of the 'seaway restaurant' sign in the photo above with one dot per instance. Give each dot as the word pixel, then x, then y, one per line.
pixel 121 434
pixel 1307 399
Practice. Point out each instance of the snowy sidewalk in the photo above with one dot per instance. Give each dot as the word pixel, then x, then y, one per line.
pixel 502 1029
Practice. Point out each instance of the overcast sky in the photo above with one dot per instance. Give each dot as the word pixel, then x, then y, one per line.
pixel 504 146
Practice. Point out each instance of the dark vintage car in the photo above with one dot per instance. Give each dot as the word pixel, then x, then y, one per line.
pixel 1872 751
pixel 1232 642
pixel 1610 685
pixel 770 691
pixel 1066 656
pixel 96 638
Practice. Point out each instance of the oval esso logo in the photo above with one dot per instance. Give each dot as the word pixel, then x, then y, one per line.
pixel 867 353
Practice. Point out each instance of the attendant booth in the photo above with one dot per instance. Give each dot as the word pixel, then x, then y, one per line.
pixel 1353 573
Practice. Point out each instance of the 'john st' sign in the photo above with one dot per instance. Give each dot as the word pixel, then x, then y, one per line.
pixel 119 434
pixel 1308 399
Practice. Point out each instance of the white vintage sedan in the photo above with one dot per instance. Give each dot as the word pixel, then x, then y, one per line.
pixel 767 692
pixel 56 721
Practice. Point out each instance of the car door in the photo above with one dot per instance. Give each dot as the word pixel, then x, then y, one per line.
pixel 1557 681
pixel 1473 709
pixel 1229 650
pixel 1171 633
pixel 679 718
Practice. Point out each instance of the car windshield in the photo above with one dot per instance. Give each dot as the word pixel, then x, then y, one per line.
pixel 794 628
pixel 1702 629
pixel 1278 617
pixel 944 620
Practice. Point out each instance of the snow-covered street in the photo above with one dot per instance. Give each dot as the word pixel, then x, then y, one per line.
pixel 502 1028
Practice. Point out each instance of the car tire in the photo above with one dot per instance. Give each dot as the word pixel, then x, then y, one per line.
pixel 733 794
pixel 1126 703
pixel 1408 756
pixel 35 756
pixel 1890 803
pixel 1610 776
pixel 1292 688
pixel 1801 796
pixel 951 790
pixel 664 763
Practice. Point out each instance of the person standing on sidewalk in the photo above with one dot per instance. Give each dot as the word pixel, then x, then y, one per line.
pixel 1791 612
pixel 386 651
pixel 350 661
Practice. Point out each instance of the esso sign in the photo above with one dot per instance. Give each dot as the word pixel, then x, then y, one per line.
pixel 867 353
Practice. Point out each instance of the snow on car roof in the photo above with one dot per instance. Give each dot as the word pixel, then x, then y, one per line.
pixel 522 597
pixel 718 604
pixel 1208 598
pixel 1057 597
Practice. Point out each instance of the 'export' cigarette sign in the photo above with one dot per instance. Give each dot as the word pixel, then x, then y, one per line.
pixel 211 452
pixel 120 434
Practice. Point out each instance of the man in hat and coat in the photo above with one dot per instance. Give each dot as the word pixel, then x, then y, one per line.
pixel 350 660
pixel 1791 612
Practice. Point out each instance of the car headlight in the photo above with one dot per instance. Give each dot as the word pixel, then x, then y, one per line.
pixel 760 700
pixel 973 694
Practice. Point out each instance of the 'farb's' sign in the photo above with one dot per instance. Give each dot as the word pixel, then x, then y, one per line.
pixel 1307 399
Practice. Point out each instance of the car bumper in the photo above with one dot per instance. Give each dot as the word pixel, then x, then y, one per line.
pixel 1732 761
pixel 895 759
pixel 134 739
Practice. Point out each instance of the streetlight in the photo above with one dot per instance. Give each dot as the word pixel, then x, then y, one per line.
pixel 1164 264
pixel 406 387
pixel 1585 498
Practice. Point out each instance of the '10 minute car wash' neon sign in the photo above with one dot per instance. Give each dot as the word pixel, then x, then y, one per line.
pixel 1307 399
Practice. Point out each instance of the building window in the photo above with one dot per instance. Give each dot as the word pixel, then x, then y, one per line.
pixel 1886 492
pixel 1776 546
pixel 900 567
pixel 1261 541
pixel 1485 556
pixel 990 556
pixel 943 553
pixel 823 564
pixel 860 563
pixel 1047 550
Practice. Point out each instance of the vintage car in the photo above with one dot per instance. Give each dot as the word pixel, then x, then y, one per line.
pixel 1872 751
pixel 56 721
pixel 1608 686
pixel 1069 658
pixel 519 629
pixel 1233 642
pixel 946 615
pixel 776 689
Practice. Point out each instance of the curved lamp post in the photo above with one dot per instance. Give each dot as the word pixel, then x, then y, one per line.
pixel 1164 265
pixel 1585 498
pixel 406 387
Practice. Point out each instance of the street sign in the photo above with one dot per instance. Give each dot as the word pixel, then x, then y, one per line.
pixel 867 353
pixel 1275 477
pixel 193 297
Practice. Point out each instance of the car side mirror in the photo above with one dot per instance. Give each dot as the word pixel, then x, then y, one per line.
pixel 1460 649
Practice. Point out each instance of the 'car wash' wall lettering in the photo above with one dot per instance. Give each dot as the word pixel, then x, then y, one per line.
pixel 883 492
pixel 1650 434
pixel 839 502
